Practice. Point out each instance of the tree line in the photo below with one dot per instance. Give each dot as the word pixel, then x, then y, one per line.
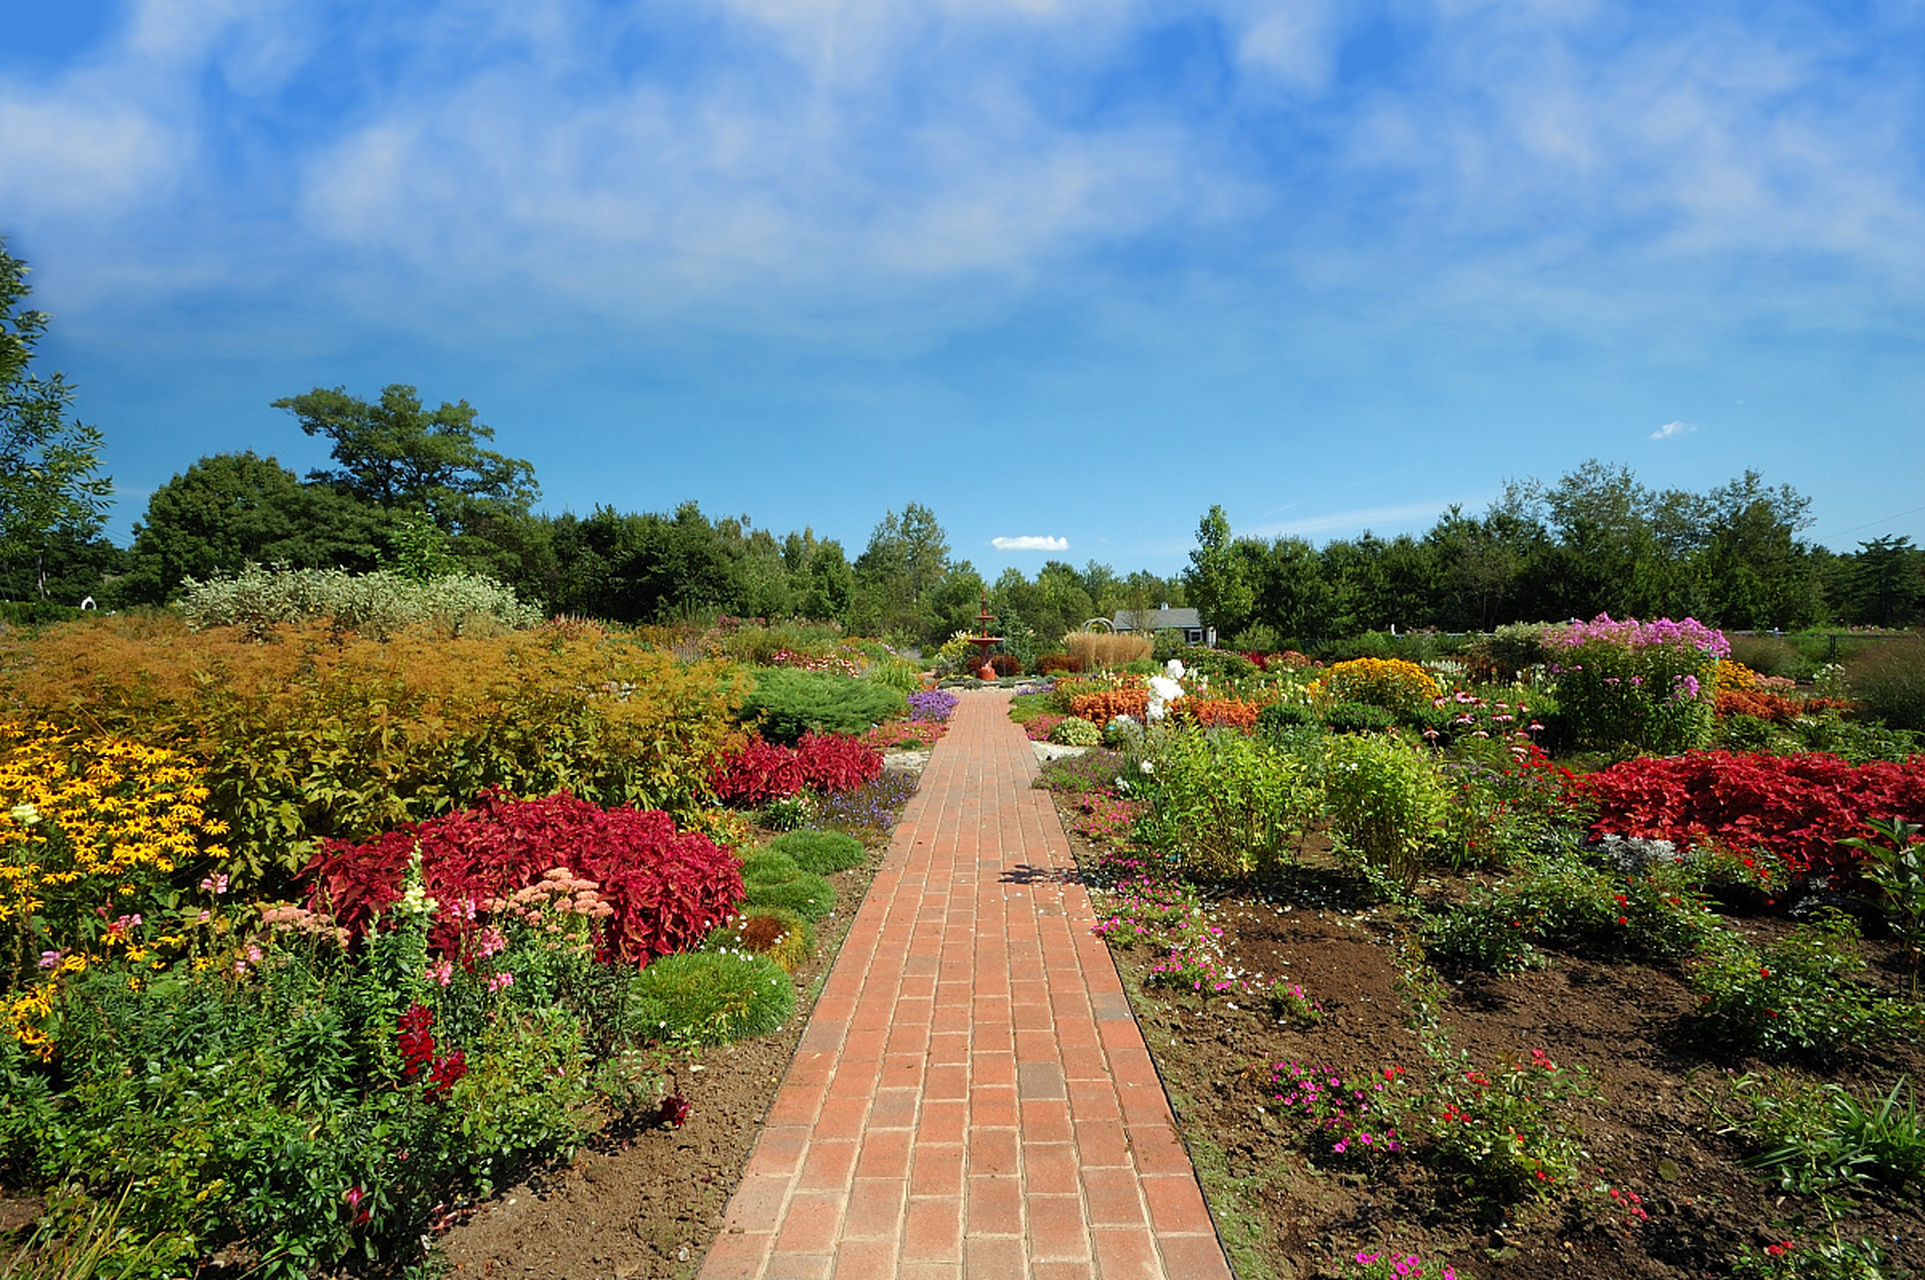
pixel 418 490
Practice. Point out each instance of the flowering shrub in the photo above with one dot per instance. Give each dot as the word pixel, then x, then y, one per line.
pixel 318 735
pixel 665 889
pixel 1386 802
pixel 1103 819
pixel 932 704
pixel 1798 807
pixel 836 663
pixel 1795 996
pixel 1288 660
pixel 1050 663
pixel 1223 805
pixel 1391 683
pixel 1774 708
pixel 381 603
pixel 869 810
pixel 1351 1120
pixel 1647 684
pixel 1508 1138
pixel 90 830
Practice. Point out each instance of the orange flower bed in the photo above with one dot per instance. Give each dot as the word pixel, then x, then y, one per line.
pixel 1101 708
pixel 1233 712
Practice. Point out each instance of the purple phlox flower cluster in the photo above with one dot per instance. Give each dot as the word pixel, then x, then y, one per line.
pixel 932 704
pixel 1632 634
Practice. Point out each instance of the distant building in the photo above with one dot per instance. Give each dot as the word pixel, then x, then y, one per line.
pixel 1166 619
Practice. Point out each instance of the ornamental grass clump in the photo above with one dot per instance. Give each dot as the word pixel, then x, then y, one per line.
pixel 712 997
pixel 1647 685
pixel 821 851
pixel 772 879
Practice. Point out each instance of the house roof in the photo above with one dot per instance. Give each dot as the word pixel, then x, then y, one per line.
pixel 1164 619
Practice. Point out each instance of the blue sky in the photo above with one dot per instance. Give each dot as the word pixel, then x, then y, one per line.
pixel 1060 270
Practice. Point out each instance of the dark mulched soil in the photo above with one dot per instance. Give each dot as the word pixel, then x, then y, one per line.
pixel 1653 1132
pixel 645 1202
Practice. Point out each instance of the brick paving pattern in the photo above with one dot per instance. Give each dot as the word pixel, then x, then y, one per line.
pixel 972 1096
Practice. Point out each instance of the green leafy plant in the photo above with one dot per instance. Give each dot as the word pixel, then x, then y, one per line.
pixel 1074 731
pixel 710 997
pixel 1386 803
pixel 781 935
pixel 377 604
pixel 1223 804
pixel 1795 996
pixel 1894 861
pixel 1814 1137
pixel 1889 679
pixel 820 852
pixel 1359 717
pixel 1508 1136
pixel 1487 933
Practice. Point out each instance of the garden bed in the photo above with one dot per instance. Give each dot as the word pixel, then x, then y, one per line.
pixel 645 1203
pixel 1664 1192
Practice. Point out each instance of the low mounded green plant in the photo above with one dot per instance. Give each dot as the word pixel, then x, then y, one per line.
pixel 1794 997
pixel 712 997
pixel 1075 731
pixel 1508 1136
pixel 1386 802
pixel 772 879
pixel 787 703
pixel 1485 933
pixel 821 851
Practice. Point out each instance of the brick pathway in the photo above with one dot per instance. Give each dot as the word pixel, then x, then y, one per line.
pixel 972 1096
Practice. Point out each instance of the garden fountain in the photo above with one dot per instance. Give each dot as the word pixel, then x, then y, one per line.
pixel 984 642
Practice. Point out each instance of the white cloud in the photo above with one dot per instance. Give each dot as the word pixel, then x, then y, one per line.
pixel 1030 542
pixel 1670 429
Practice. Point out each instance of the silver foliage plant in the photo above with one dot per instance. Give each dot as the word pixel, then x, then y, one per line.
pixel 375 604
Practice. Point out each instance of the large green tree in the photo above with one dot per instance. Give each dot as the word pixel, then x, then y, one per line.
pixel 1217 580
pixel 393 452
pixel 232 508
pixel 53 498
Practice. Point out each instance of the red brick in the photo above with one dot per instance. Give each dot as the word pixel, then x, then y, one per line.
pixel 1176 1203
pixel 1193 1258
pixel 994 1206
pixel 933 1230
pixel 875 1209
pixel 993 1151
pixel 811 1224
pixel 993 1258
pixel 865 1260
pixel 1114 1197
pixel 1057 1227
pixel 936 1170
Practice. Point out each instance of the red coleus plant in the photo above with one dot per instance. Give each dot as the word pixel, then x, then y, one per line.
pixel 1796 806
pixel 759 772
pixel 667 889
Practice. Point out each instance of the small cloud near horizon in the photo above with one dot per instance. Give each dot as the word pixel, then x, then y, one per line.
pixel 1030 542
pixel 1670 429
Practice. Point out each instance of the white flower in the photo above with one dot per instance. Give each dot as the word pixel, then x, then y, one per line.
pixel 1165 688
pixel 1174 668
pixel 25 814
pixel 1147 767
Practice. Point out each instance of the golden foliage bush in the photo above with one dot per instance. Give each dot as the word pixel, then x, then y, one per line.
pixel 319 735
pixel 1096 650
pixel 1390 683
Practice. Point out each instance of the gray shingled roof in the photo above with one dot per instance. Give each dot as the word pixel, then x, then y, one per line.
pixel 1164 619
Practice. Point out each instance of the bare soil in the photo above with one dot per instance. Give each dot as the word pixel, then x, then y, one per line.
pixel 1652 1131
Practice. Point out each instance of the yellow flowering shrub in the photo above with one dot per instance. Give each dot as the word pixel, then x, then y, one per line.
pixel 1382 682
pixel 90 829
pixel 1736 677
pixel 316 735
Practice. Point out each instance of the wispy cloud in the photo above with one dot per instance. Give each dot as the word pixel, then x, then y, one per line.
pixel 1030 542
pixel 1671 429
